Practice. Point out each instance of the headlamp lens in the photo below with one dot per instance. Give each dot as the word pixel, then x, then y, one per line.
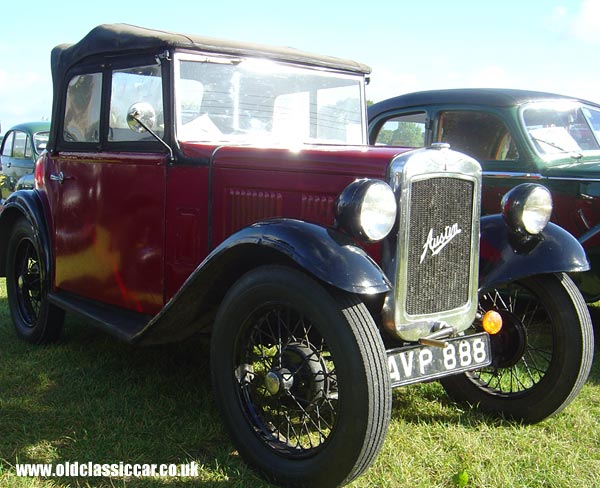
pixel 537 210
pixel 527 208
pixel 378 211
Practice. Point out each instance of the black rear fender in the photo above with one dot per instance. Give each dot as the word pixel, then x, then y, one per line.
pixel 24 204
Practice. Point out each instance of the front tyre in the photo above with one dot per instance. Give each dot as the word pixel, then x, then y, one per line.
pixel 300 376
pixel 35 319
pixel 541 357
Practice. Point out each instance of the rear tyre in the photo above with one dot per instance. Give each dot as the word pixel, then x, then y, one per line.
pixel 35 319
pixel 541 357
pixel 300 376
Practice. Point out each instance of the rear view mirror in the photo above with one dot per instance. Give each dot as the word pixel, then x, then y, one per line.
pixel 141 117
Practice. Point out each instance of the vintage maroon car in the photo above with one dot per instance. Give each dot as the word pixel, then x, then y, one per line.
pixel 195 185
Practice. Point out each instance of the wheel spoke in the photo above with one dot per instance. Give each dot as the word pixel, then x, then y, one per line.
pixel 299 413
pixel 528 373
pixel 526 313
pixel 28 282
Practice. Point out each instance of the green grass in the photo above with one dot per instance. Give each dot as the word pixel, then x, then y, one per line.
pixel 92 398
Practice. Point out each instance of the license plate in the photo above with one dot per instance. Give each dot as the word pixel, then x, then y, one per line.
pixel 418 363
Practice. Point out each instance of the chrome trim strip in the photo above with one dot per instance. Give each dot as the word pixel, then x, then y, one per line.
pixel 535 176
pixel 511 174
pixel 583 180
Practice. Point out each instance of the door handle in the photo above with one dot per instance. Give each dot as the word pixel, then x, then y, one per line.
pixel 60 177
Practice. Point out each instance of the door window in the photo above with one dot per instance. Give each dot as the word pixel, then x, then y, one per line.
pixel 481 135
pixel 28 148
pixel 130 86
pixel 8 144
pixel 20 145
pixel 403 130
pixel 82 109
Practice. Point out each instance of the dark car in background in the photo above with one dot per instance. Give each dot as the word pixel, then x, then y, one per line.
pixel 21 146
pixel 518 136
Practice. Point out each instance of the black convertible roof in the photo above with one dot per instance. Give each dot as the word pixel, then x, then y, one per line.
pixel 113 39
pixel 109 40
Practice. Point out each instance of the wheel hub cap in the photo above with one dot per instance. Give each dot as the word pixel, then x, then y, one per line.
pixel 276 380
pixel 272 382
pixel 510 344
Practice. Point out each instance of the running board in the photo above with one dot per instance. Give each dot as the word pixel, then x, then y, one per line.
pixel 123 324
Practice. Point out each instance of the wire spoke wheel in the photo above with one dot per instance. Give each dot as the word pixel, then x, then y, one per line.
pixel 300 376
pixel 526 348
pixel 542 356
pixel 287 380
pixel 28 280
pixel 35 319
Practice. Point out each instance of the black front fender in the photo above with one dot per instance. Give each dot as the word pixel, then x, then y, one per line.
pixel 328 255
pixel 505 258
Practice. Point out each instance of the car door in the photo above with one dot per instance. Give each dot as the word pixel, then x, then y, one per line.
pixel 106 191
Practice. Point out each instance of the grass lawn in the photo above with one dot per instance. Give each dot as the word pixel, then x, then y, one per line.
pixel 92 398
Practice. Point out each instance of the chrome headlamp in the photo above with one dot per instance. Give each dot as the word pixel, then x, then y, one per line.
pixel 366 209
pixel 527 208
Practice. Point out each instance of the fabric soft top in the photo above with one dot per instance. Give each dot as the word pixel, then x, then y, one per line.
pixel 120 38
pixel 115 39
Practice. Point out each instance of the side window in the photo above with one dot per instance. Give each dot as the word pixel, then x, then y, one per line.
pixel 40 141
pixel 8 144
pixel 28 148
pixel 19 145
pixel 481 135
pixel 403 130
pixel 82 109
pixel 135 85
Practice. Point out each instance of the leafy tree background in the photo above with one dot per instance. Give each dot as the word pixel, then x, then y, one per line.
pixel 405 134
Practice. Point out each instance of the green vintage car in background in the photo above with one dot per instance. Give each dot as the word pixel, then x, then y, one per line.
pixel 518 136
pixel 21 146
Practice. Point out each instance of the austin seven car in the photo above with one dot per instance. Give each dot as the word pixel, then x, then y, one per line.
pixel 200 186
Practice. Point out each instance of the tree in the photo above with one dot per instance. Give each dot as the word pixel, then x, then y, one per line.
pixel 409 134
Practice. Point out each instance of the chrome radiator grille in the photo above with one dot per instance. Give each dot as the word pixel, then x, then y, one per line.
pixel 439 247
pixel 433 260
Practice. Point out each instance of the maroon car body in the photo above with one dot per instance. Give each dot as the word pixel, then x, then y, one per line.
pixel 112 249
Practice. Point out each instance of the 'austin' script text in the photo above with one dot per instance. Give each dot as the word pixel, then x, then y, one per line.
pixel 437 243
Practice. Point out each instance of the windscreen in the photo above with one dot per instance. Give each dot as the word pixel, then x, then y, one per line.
pixel 258 101
pixel 559 128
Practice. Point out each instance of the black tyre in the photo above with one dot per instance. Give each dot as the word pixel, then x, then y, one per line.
pixel 35 320
pixel 300 376
pixel 542 356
